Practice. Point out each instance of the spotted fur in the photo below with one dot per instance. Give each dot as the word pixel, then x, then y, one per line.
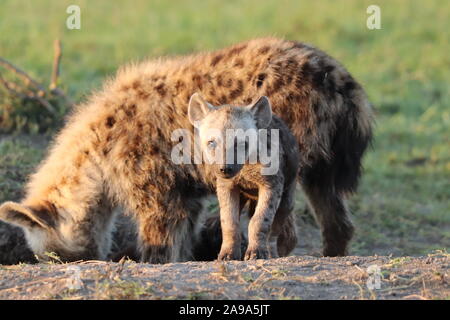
pixel 114 150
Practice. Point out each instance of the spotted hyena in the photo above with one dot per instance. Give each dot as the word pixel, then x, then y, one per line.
pixel 115 150
pixel 233 139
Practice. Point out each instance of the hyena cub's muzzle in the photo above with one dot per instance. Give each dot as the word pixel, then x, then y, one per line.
pixel 228 171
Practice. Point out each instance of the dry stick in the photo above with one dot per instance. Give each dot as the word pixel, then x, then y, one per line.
pixel 46 104
pixel 56 62
pixel 55 73
pixel 415 296
pixel 60 93
pixel 31 283
pixel 11 87
pixel 16 89
pixel 27 79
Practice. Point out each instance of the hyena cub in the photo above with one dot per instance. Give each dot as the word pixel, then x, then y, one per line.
pixel 254 159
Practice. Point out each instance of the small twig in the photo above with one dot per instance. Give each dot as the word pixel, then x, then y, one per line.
pixel 55 74
pixel 89 262
pixel 361 290
pixel 415 296
pixel 46 104
pixel 396 288
pixel 60 93
pixel 31 283
pixel 11 87
pixel 56 62
pixel 28 79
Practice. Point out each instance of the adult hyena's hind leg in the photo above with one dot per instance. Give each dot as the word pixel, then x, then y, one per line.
pixel 332 216
pixel 327 182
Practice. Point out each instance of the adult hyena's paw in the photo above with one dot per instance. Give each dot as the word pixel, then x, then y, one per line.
pixel 258 252
pixel 156 254
pixel 227 254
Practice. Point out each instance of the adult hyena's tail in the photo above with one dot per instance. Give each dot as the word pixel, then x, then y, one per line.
pixel 341 169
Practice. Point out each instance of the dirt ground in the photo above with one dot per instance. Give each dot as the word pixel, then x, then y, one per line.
pixel 303 276
pixel 294 277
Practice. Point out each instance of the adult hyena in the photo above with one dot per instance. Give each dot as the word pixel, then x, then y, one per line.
pixel 115 149
pixel 254 158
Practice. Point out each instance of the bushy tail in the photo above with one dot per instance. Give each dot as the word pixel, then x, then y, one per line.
pixel 340 172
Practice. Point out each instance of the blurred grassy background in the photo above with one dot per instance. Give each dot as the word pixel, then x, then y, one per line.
pixel 403 205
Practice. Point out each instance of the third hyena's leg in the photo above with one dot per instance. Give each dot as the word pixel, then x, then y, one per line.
pixel 331 213
pixel 287 239
pixel 283 235
pixel 209 237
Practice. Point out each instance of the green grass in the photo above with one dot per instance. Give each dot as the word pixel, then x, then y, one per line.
pixel 403 205
pixel 18 158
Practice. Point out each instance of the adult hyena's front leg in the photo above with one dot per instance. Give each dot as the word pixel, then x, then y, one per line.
pixel 161 239
pixel 229 202
pixel 261 223
pixel 166 231
pixel 152 247
pixel 332 215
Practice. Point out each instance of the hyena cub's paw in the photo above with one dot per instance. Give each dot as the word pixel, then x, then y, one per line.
pixel 257 252
pixel 229 254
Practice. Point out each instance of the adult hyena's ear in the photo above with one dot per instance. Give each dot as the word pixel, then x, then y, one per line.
pixel 26 217
pixel 198 109
pixel 262 112
pixel 36 222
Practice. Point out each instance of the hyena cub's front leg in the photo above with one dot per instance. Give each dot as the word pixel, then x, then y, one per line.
pixel 261 223
pixel 228 196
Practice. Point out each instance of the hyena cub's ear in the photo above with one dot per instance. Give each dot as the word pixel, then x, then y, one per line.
pixel 198 109
pixel 25 217
pixel 262 112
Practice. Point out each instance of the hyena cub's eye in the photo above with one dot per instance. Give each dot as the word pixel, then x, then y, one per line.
pixel 247 153
pixel 211 144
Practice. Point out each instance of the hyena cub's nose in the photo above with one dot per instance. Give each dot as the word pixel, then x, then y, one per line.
pixel 226 169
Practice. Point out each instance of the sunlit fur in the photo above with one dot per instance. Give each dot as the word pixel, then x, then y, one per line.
pixel 114 150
